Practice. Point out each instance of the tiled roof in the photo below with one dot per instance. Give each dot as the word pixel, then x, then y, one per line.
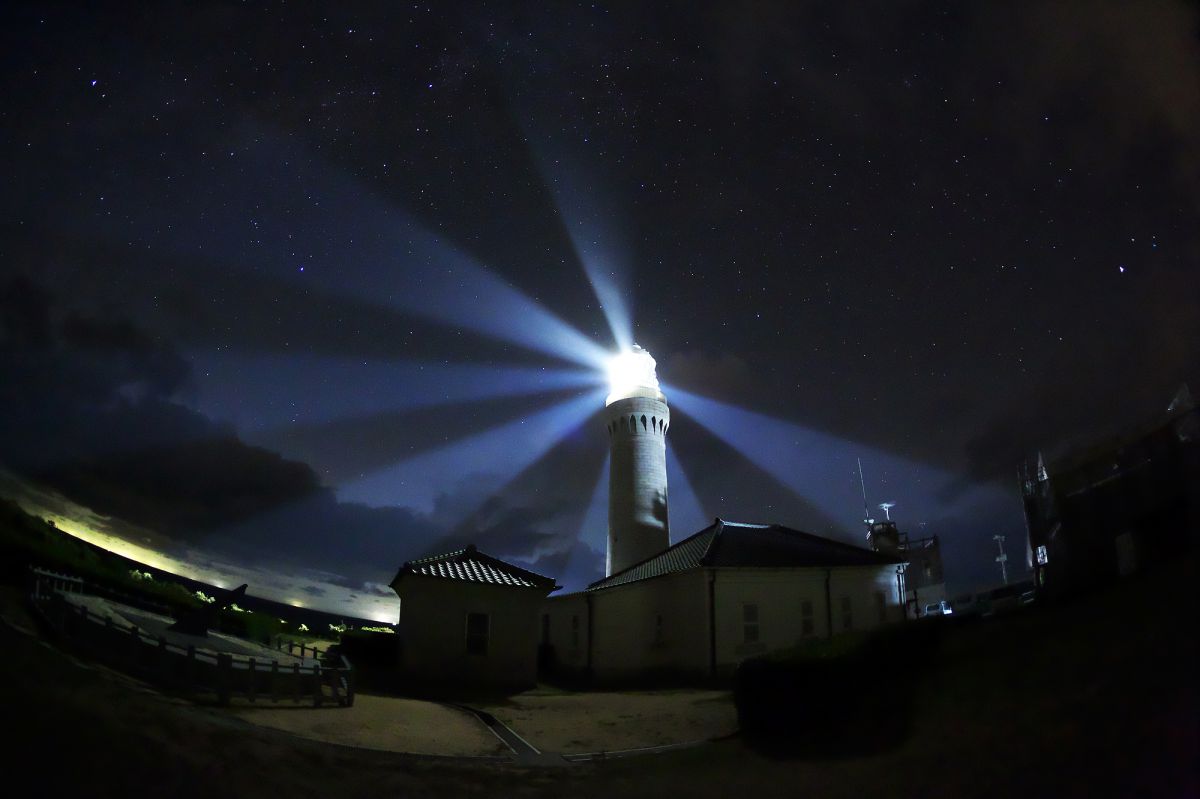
pixel 733 544
pixel 472 566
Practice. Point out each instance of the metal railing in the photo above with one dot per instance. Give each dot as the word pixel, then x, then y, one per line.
pixel 195 671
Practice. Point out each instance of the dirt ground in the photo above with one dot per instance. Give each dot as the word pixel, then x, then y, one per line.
pixel 1094 699
pixel 384 722
pixel 572 723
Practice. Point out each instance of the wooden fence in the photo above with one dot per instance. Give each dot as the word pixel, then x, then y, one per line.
pixel 194 671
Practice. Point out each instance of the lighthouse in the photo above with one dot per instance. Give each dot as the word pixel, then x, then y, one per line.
pixel 637 419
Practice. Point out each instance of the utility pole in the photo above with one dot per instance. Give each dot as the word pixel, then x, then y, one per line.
pixel 1002 558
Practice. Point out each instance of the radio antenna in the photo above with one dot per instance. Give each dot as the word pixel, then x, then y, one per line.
pixel 866 507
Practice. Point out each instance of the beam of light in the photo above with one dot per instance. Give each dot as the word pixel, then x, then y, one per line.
pixel 474 467
pixel 819 468
pixel 451 289
pixel 369 249
pixel 592 219
pixel 687 515
pixel 329 231
pixel 585 563
pixel 266 391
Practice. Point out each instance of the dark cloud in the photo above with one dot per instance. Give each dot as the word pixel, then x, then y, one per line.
pixel 87 407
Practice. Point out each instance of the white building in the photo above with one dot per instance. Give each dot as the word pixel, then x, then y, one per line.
pixel 728 592
pixel 467 617
pixel 697 608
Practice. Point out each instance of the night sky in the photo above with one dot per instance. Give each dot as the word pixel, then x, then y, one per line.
pixel 328 289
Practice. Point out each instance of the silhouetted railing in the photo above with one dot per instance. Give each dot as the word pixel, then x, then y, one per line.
pixel 195 671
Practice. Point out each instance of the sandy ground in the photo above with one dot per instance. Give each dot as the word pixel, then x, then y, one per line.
pixel 607 722
pixel 1008 715
pixel 384 722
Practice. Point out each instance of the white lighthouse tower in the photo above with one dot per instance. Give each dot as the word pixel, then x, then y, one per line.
pixel 637 419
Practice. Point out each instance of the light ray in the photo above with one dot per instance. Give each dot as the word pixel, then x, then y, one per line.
pixel 585 562
pixel 592 220
pixel 473 467
pixel 687 515
pixel 262 392
pixel 376 252
pixel 818 467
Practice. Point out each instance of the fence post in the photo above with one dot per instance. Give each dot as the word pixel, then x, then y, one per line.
pixel 274 680
pixel 296 682
pixel 317 695
pixel 190 672
pixel 135 644
pixel 224 677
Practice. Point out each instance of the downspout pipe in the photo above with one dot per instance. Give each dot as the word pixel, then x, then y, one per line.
pixel 712 623
pixel 828 604
pixel 590 637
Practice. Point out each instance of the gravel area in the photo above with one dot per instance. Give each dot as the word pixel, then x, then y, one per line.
pixel 387 723
pixel 606 722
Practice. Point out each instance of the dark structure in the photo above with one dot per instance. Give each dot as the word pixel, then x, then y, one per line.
pixel 202 619
pixel 924 577
pixel 1110 509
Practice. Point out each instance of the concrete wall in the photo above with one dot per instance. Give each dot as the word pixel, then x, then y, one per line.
pixel 661 625
pixel 637 481
pixel 861 598
pixel 433 628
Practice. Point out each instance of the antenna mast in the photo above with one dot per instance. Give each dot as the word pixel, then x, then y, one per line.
pixel 866 507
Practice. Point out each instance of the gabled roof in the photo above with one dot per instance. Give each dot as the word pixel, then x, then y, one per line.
pixel 734 544
pixel 472 566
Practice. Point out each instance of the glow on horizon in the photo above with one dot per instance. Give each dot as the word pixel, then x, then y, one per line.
pixel 338 598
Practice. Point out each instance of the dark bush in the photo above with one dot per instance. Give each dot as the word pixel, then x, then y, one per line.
pixel 849 696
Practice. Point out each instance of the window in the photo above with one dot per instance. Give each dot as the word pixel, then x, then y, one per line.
pixel 847 614
pixel 881 606
pixel 477 633
pixel 750 624
pixel 574 632
pixel 806 618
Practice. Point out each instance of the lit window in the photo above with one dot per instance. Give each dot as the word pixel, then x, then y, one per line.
pixel 477 633
pixel 750 624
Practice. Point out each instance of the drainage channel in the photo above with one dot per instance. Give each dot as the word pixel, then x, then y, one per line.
pixel 525 753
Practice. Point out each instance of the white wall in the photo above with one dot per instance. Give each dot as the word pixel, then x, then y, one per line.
pixel 433 628
pixel 627 639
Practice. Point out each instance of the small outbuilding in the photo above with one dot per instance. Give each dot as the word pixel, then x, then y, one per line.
pixel 468 618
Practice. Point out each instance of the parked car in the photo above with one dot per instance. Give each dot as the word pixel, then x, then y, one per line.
pixel 1006 598
pixel 942 608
